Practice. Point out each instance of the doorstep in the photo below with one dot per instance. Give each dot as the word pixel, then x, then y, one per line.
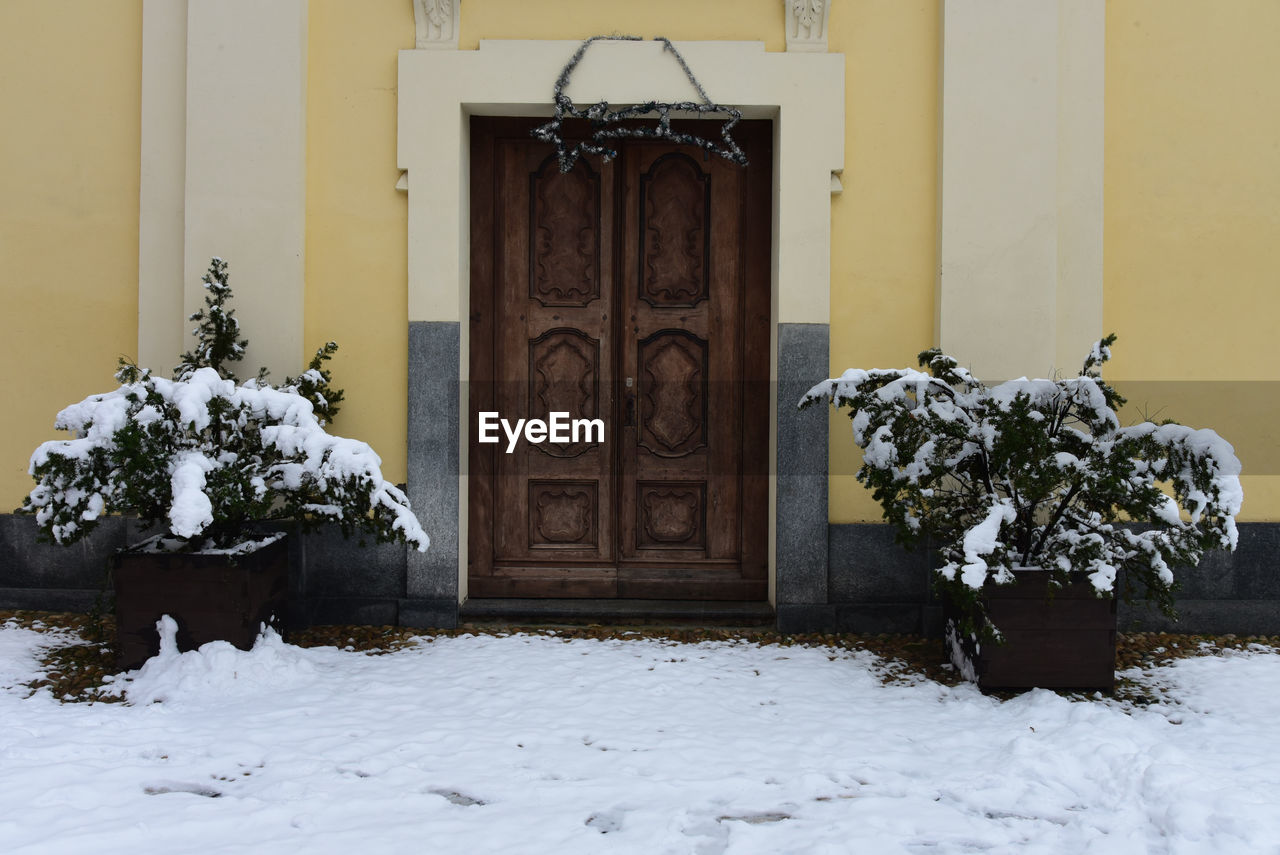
pixel 610 611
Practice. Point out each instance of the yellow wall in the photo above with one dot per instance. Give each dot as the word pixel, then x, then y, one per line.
pixel 884 225
pixel 1192 221
pixel 357 222
pixel 70 81
pixel 731 20
pixel 1192 175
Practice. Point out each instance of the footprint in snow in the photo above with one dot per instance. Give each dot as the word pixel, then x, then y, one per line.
pixel 457 798
pixel 161 788
pixel 755 818
pixel 605 821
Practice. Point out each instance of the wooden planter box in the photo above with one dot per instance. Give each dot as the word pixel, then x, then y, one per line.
pixel 1059 639
pixel 212 597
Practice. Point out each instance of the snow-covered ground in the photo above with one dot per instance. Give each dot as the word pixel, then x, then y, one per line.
pixel 529 744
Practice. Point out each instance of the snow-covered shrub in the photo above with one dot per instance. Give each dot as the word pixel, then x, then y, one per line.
pixel 1036 473
pixel 205 455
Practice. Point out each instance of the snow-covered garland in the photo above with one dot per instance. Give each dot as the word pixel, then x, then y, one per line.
pixel 1036 473
pixel 605 122
pixel 205 456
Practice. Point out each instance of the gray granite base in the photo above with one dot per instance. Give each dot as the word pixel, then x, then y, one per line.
pixel 873 585
pixel 1229 592
pixel 434 419
pixel 28 563
pixel 801 543
pixel 878 586
pixel 429 614
pixel 349 611
pixel 81 600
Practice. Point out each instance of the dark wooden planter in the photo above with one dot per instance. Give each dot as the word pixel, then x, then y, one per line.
pixel 1059 639
pixel 211 597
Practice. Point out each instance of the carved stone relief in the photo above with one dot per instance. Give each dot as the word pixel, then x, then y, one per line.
pixel 807 24
pixel 436 23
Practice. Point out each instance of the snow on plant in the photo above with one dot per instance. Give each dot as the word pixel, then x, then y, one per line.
pixel 204 455
pixel 218 343
pixel 1036 473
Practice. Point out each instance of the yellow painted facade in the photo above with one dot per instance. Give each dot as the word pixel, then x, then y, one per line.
pixel 357 222
pixel 70 81
pixel 679 20
pixel 1192 221
pixel 884 225
pixel 1192 175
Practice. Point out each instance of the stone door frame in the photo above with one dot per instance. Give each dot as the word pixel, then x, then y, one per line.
pixel 803 93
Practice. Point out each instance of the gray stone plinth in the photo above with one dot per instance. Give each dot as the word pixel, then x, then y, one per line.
pixel 875 618
pixel 360 611
pixel 868 566
pixel 28 566
pixel 801 543
pixel 870 584
pixel 1214 617
pixel 53 599
pixel 429 614
pixel 433 461
pixel 338 567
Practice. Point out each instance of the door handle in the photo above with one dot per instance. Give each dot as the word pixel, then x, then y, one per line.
pixel 629 418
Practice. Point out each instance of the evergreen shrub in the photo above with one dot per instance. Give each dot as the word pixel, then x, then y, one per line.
pixel 1036 473
pixel 206 455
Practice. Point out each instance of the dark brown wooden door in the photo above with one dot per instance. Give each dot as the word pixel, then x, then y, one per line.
pixel 635 292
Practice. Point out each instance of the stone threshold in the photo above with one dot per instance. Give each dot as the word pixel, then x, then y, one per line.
pixel 609 611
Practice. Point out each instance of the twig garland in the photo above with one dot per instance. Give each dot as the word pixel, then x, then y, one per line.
pixel 605 122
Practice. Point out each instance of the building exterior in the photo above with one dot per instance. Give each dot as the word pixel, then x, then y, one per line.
pixel 1008 179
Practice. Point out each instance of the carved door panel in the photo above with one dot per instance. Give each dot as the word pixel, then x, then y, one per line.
pixel 542 517
pixel 694 343
pixel 635 292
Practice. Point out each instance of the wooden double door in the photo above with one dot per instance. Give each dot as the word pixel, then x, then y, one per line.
pixel 636 293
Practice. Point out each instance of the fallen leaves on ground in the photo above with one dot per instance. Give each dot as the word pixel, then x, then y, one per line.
pixel 77 672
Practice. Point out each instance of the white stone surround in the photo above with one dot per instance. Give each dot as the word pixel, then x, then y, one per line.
pixel 439 89
pixel 1020 235
pixel 223 172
